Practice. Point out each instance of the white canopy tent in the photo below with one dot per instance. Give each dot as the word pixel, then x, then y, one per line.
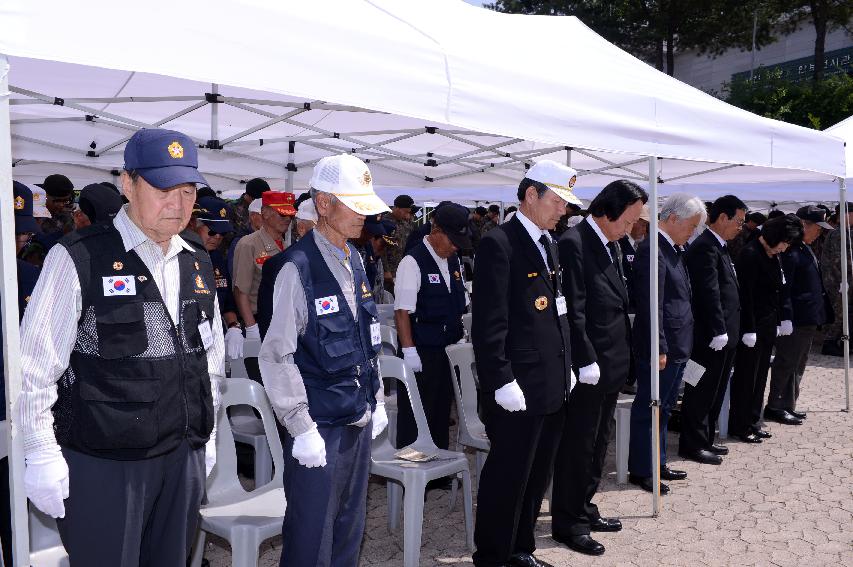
pixel 437 95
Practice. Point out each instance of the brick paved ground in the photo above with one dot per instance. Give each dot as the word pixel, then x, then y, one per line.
pixel 786 502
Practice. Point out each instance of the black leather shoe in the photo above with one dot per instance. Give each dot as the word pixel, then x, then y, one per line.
pixel 797 414
pixel 527 560
pixel 702 456
pixel 605 525
pixel 646 483
pixel 781 416
pixel 748 437
pixel 667 473
pixel 762 434
pixel 719 449
pixel 580 543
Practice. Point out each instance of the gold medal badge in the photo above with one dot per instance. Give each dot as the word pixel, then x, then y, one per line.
pixel 541 303
pixel 117 265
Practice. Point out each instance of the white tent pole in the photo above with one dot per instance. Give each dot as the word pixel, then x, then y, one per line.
pixel 501 216
pixel 288 181
pixel 654 346
pixel 845 320
pixel 569 157
pixel 214 114
pixel 11 334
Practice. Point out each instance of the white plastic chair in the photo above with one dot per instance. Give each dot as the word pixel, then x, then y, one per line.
pixel 46 548
pixel 471 431
pixel 389 340
pixel 244 519
pixel 414 476
pixel 389 347
pixel 466 323
pixel 386 314
pixel 245 425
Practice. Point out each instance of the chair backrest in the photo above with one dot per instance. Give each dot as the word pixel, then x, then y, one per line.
pixel 251 349
pixel 463 370
pixel 467 318
pixel 386 314
pixel 392 367
pixel 389 340
pixel 223 482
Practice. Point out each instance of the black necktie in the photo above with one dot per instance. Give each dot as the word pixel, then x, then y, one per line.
pixel 549 256
pixel 615 256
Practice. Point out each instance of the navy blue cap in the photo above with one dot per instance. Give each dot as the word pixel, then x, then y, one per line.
pixel 23 200
pixel 164 158
pixel 374 226
pixel 214 212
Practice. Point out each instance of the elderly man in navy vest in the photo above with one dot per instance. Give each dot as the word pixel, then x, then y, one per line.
pixel 428 306
pixel 320 368
pixel 680 214
pixel 122 351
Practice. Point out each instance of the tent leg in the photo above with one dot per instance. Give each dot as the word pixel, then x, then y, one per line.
pixel 214 114
pixel 654 353
pixel 845 319
pixel 288 180
pixel 11 335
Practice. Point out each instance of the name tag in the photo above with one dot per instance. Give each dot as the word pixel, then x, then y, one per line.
pixel 561 305
pixel 434 278
pixel 119 285
pixel 206 334
pixel 375 334
pixel 326 305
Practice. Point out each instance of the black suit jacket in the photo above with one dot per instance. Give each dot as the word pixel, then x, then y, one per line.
pixel 716 303
pixel 598 306
pixel 513 338
pixel 762 293
pixel 804 285
pixel 675 313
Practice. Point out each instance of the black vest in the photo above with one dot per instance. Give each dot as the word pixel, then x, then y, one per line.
pixel 437 320
pixel 137 385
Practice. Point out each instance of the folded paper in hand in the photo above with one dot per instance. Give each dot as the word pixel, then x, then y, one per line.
pixel 693 372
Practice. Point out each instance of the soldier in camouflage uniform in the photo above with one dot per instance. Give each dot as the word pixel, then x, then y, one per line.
pixel 830 265
pixel 401 213
pixel 493 217
pixel 240 207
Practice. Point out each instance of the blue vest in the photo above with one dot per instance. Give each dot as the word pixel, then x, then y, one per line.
pixel 437 320
pixel 335 355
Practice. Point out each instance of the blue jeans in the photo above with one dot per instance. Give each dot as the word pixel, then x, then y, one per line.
pixel 640 453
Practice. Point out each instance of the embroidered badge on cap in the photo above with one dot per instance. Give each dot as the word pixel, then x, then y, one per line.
pixel 117 266
pixel 327 305
pixel 176 150
pixel 19 203
pixel 366 179
pixel 572 181
pixel 222 213
pixel 119 285
pixel 541 303
pixel 434 278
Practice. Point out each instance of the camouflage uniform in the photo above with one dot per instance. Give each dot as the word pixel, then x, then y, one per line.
pixel 830 266
pixel 393 254
pixel 488 225
pixel 736 244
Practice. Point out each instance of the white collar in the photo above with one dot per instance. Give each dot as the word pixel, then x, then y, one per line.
pixel 438 259
pixel 132 236
pixel 718 237
pixel 668 239
pixel 598 231
pixel 534 231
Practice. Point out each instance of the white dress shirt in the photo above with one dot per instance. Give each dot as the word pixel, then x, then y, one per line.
pixel 49 327
pixel 718 237
pixel 407 282
pixel 600 234
pixel 535 233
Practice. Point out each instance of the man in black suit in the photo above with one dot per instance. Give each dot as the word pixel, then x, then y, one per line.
pixel 680 214
pixel 601 350
pixel 521 341
pixel 716 330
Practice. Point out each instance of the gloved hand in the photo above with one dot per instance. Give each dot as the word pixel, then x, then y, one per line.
pixel 234 343
pixel 574 380
pixel 209 456
pixel 786 328
pixel 411 357
pixel 253 332
pixel 718 342
pixel 46 481
pixel 749 339
pixel 380 420
pixel 309 448
pixel 590 374
pixel 510 397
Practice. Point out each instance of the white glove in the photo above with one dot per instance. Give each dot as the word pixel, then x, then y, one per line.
pixel 574 380
pixel 411 357
pixel 718 342
pixel 749 339
pixel 380 420
pixel 309 448
pixel 510 397
pixel 234 343
pixel 590 374
pixel 253 332
pixel 46 481
pixel 787 327
pixel 209 456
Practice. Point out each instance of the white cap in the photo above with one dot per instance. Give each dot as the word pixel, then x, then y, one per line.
pixel 255 206
pixel 39 203
pixel 557 177
pixel 348 178
pixel 306 211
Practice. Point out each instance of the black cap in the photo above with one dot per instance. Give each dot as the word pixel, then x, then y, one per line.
pixel 404 202
pixel 111 186
pixel 814 214
pixel 204 192
pixel 23 199
pixel 256 187
pixel 374 226
pixel 452 219
pixel 99 202
pixel 57 185
pixel 214 213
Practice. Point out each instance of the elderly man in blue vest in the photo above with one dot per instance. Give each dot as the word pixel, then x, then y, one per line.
pixel 319 367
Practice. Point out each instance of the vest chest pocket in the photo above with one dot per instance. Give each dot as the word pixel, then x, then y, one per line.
pixel 337 336
pixel 191 317
pixel 121 329
pixel 119 413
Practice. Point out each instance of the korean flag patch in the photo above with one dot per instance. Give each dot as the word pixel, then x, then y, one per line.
pixel 434 278
pixel 119 285
pixel 326 305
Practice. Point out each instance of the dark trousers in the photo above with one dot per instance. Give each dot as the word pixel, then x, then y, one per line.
pixel 701 404
pixel 436 393
pixel 580 459
pixel 326 506
pixel 792 354
pixel 750 379
pixel 513 481
pixel 132 513
pixel 640 453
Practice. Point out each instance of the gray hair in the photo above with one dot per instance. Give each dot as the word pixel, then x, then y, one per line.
pixel 314 192
pixel 683 206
